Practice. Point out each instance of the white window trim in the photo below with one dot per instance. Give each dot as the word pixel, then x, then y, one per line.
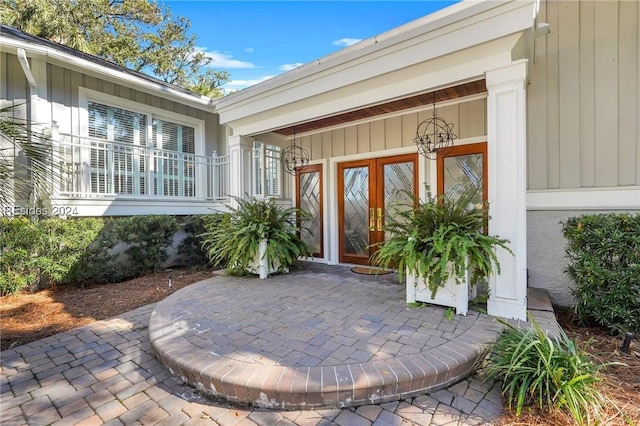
pixel 85 95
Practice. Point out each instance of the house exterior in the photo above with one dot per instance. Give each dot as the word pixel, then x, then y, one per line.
pixel 543 97
pixel 126 143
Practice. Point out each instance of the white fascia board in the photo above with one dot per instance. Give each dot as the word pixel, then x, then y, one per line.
pixel 75 63
pixel 612 198
pixel 445 71
pixel 420 41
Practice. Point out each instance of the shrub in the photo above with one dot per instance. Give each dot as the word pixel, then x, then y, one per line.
pixel 232 239
pixel 604 256
pixel 536 370
pixel 148 238
pixel 57 251
pixel 190 248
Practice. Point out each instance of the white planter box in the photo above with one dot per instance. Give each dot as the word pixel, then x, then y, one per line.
pixel 260 265
pixel 455 295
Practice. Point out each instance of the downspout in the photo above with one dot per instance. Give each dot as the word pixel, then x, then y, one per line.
pixel 33 99
pixel 33 86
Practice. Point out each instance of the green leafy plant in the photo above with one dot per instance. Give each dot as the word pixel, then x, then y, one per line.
pixel 604 262
pixel 42 253
pixel 232 239
pixel 148 238
pixel 437 239
pixel 190 248
pixel 549 373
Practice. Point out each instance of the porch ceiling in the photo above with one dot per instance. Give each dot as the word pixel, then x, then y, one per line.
pixel 428 98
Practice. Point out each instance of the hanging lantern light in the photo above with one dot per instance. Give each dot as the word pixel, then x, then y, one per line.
pixel 434 134
pixel 294 156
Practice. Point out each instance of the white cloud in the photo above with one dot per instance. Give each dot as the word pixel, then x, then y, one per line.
pixel 249 50
pixel 241 84
pixel 289 67
pixel 224 60
pixel 346 41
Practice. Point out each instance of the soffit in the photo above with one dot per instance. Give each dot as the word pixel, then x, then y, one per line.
pixel 428 98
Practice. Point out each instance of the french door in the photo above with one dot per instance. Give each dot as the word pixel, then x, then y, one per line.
pixel 366 190
pixel 462 174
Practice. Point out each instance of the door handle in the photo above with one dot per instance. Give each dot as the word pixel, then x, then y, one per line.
pixel 379 218
pixel 372 219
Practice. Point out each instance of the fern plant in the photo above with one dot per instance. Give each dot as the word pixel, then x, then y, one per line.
pixel 439 238
pixel 232 239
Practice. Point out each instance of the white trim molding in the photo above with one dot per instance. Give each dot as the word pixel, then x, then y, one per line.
pixel 610 198
pixel 506 146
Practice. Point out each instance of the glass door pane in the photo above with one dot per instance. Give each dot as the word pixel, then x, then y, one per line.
pixel 463 178
pixel 356 211
pixel 309 193
pixel 398 185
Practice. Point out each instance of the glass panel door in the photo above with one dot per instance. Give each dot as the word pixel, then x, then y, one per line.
pixel 309 199
pixel 366 190
pixel 353 202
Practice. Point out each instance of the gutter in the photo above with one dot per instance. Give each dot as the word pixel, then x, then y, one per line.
pixel 84 66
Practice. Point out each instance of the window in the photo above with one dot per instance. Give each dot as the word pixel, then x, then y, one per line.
pixel 267 177
pixel 138 153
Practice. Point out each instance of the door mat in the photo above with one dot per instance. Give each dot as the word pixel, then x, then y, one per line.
pixel 366 270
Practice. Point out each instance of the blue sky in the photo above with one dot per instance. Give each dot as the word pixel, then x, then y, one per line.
pixel 256 40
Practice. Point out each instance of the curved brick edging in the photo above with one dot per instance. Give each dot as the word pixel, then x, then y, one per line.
pixel 290 387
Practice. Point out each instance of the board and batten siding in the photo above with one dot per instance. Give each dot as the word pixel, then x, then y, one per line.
pixel 63 91
pixel 583 97
pixel 469 119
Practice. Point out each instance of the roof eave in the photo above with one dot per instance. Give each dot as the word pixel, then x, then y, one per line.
pixel 52 55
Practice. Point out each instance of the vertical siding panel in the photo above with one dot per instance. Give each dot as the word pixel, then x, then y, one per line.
pixel 450 114
pixel 606 78
pixel 473 119
pixel 4 72
pixel 536 119
pixel 17 90
pixel 351 140
pixel 409 126
pixel 337 140
pixel 326 144
pixel 123 92
pixel 393 132
pixel 553 102
pixel 90 82
pixel 305 143
pixel 182 109
pixel 569 92
pixel 377 135
pixel 59 112
pixel 316 147
pixel 108 87
pixel 587 95
pixel 76 80
pixel 627 91
pixel 364 140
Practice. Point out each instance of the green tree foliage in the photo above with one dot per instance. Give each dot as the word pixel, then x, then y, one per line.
pixel 137 34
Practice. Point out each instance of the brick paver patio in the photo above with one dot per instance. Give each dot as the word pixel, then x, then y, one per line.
pixel 319 337
pixel 107 373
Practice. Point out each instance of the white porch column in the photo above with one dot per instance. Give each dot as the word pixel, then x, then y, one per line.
pixel 506 131
pixel 240 166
